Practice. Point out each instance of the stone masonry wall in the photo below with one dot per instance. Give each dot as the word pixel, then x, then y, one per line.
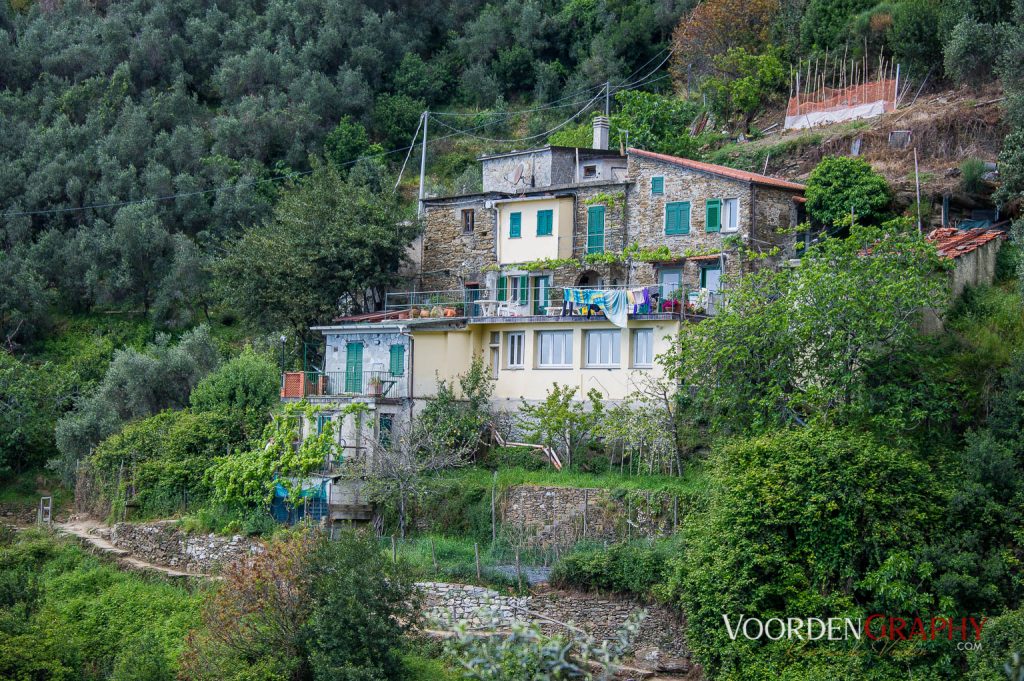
pixel 165 544
pixel 660 644
pixel 451 257
pixel 551 517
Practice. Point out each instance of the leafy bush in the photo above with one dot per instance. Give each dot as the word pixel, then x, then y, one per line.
pixel 136 384
pixel 635 567
pixel 825 22
pixel 743 83
pixel 971 52
pixel 914 36
pixel 245 387
pixel 77 618
pixel 840 184
pixel 816 520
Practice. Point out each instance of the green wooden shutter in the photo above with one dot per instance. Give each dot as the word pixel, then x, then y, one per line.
pixel 595 229
pixel 524 290
pixel 502 284
pixel 515 225
pixel 545 222
pixel 321 421
pixel 671 218
pixel 713 215
pixel 354 368
pixel 658 185
pixel 397 360
pixel 677 217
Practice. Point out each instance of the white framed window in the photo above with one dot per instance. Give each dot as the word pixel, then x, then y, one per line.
pixel 516 289
pixel 730 215
pixel 643 348
pixel 515 344
pixel 554 349
pixel 603 348
pixel 495 350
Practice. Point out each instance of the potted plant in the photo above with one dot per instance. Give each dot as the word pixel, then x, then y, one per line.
pixel 375 386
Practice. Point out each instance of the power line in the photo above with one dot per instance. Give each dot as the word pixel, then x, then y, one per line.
pixel 530 137
pixel 575 97
pixel 287 176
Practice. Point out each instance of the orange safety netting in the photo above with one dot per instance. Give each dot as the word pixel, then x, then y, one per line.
pixel 834 99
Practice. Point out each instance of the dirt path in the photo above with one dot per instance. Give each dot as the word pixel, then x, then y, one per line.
pixel 86 530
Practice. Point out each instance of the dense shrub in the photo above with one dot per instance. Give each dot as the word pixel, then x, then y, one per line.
pixel 816 520
pixel 635 567
pixel 840 184
pixel 76 618
pixel 245 387
pixel 136 384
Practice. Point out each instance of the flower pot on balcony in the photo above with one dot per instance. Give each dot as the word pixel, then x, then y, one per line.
pixel 424 313
pixel 404 314
pixel 436 312
pixel 449 312
pixel 374 387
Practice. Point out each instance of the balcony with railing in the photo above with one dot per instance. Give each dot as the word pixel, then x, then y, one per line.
pixel 329 384
pixel 657 301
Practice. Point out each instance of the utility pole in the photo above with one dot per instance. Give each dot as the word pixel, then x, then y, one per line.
pixel 423 158
pixel 607 97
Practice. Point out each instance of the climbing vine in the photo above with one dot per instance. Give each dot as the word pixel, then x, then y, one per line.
pixel 250 478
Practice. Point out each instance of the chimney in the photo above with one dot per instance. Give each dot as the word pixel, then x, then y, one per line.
pixel 601 132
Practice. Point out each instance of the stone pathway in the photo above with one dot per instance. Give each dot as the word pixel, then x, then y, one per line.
pixel 88 531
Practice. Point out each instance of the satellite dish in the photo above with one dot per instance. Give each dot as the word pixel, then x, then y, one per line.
pixel 517 175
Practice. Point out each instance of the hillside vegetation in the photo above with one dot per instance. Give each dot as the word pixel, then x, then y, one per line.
pixel 186 187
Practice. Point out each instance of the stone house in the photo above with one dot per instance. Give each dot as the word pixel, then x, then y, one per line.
pixel 710 217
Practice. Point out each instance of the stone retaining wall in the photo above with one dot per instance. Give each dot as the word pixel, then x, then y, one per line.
pixel 560 516
pixel 660 644
pixel 165 544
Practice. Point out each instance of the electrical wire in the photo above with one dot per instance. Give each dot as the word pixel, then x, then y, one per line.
pixel 408 149
pixel 528 138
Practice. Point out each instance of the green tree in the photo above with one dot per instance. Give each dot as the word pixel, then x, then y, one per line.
pixel 346 143
pixel 839 185
pixel 394 119
pixel 135 385
pixel 816 520
pixel 331 246
pixel 743 83
pixel 363 605
pixel 32 398
pixel 458 420
pixel 245 387
pixel 826 22
pixel 565 424
pixel 811 342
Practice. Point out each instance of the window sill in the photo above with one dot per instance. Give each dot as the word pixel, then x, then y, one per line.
pixel 560 367
pixel 603 367
pixel 642 367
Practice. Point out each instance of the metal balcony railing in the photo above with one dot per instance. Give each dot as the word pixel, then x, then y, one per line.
pixel 475 303
pixel 381 384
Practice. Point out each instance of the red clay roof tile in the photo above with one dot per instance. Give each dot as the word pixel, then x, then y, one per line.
pixel 723 171
pixel 952 242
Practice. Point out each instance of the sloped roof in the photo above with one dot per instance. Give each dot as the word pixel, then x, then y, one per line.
pixel 722 171
pixel 952 242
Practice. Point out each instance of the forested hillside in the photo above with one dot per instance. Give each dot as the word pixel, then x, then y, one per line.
pixel 187 185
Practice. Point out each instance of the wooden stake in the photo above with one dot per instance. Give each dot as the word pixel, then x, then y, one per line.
pixel 476 553
pixel 494 487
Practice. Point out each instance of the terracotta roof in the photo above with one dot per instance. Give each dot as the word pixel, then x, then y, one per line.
pixel 952 242
pixel 723 171
pixel 710 256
